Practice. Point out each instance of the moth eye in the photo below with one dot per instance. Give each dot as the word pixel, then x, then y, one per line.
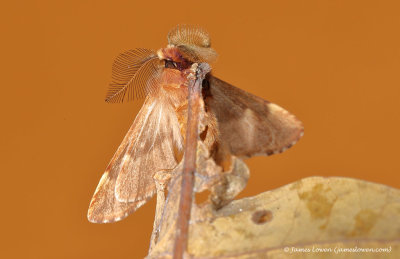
pixel 170 64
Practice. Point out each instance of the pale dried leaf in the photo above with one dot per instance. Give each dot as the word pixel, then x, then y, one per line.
pixel 315 212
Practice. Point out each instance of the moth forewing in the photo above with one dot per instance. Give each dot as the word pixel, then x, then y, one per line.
pixel 153 150
pixel 147 148
pixel 249 125
pixel 104 206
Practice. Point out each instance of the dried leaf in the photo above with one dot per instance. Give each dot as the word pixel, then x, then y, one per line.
pixel 314 213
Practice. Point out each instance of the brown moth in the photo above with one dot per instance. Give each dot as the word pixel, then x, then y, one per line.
pixel 236 122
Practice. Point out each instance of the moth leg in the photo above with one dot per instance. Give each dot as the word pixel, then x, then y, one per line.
pixel 161 179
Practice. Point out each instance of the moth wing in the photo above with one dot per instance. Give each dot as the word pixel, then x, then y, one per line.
pixel 249 125
pixel 128 181
pixel 156 147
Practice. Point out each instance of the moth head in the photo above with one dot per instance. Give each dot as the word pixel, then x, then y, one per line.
pixel 136 73
pixel 173 58
pixel 187 45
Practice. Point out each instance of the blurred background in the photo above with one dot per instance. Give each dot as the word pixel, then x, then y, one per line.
pixel 334 64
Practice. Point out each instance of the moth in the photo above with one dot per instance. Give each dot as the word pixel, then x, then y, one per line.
pixel 236 122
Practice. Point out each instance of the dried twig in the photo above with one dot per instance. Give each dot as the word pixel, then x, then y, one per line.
pixel 192 133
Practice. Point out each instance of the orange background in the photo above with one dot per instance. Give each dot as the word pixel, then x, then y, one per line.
pixel 334 64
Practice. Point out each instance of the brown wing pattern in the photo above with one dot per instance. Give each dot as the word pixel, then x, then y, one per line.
pixel 249 125
pixel 147 148
pixel 153 150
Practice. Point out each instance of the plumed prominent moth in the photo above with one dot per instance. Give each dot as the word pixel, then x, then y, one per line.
pixel 236 122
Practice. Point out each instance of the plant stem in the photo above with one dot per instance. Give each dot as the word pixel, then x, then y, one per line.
pixel 189 163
